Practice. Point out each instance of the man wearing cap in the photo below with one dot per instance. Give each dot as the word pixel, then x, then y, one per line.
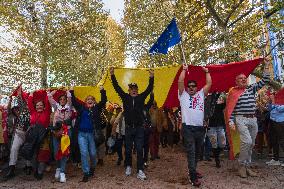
pixel 133 104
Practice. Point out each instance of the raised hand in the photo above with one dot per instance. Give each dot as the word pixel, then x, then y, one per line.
pixel 184 66
pixel 205 69
pixel 111 70
pixel 151 73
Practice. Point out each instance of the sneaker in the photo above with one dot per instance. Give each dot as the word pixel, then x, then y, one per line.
pixel 251 173
pixel 57 174
pixel 62 178
pixel 273 163
pixel 128 171
pixel 282 164
pixel 243 172
pixel 141 175
pixel 196 183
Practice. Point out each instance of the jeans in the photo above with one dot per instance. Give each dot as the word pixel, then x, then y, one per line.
pixel 118 146
pixel 62 162
pixel 134 135
pixel 154 141
pixel 217 137
pixel 193 140
pixel 277 132
pixel 87 149
pixel 207 148
pixel 147 132
pixel 247 128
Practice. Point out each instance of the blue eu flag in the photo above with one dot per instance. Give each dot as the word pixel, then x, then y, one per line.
pixel 170 37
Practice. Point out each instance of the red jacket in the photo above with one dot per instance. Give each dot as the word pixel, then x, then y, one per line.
pixel 41 118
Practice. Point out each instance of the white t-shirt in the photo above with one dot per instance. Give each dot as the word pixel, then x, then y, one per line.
pixel 192 108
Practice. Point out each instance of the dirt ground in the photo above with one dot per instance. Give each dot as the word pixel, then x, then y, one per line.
pixel 169 172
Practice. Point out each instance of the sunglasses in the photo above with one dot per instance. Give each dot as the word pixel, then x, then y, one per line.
pixel 191 86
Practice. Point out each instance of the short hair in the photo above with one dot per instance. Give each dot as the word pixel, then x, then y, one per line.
pixel 192 81
pixel 133 85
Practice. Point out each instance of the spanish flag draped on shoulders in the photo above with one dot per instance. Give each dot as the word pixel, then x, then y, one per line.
pixel 233 135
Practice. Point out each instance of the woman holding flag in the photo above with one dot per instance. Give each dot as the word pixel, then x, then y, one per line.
pixel 60 100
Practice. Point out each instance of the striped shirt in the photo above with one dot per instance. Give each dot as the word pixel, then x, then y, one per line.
pixel 246 104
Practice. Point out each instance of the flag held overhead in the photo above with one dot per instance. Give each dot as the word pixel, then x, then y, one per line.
pixel 169 38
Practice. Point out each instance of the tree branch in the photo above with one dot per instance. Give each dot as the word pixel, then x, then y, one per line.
pixel 241 17
pixel 213 12
pixel 233 9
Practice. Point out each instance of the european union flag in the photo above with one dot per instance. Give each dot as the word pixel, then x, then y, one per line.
pixel 170 37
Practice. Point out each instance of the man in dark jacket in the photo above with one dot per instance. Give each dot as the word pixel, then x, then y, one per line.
pixel 133 104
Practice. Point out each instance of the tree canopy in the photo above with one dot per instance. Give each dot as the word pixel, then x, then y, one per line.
pixel 212 31
pixel 57 43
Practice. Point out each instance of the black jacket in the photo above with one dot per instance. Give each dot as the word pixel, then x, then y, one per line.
pixel 95 110
pixel 133 106
pixel 34 138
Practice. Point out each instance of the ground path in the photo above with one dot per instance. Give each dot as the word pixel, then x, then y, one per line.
pixel 168 172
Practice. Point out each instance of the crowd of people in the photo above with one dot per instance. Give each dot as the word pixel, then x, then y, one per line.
pixel 53 125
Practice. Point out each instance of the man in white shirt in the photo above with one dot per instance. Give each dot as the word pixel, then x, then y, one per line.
pixel 192 111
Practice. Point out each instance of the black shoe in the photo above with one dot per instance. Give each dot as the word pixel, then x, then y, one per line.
pixel 92 172
pixel 28 170
pixel 152 158
pixel 158 157
pixel 10 174
pixel 218 165
pixel 100 162
pixel 118 163
pixel 208 159
pixel 85 178
pixel 38 176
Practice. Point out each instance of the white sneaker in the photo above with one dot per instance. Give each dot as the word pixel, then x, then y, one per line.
pixel 273 163
pixel 141 175
pixel 128 171
pixel 62 178
pixel 57 174
pixel 282 164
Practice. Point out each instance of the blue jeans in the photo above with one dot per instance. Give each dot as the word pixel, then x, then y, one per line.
pixel 207 148
pixel 193 140
pixel 87 149
pixel 134 135
pixel 62 162
pixel 217 137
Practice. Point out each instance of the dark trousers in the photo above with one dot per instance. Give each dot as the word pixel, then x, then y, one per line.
pixel 193 140
pixel 134 135
pixel 154 143
pixel 118 146
pixel 147 132
pixel 277 138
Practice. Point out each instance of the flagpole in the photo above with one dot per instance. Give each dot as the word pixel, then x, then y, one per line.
pixel 182 53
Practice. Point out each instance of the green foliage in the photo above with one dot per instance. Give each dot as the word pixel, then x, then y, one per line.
pixel 211 30
pixel 59 42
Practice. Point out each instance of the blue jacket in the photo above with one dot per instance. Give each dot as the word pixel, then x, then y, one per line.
pixel 276 112
pixel 93 114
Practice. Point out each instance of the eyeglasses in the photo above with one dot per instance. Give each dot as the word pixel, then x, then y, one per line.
pixel 191 86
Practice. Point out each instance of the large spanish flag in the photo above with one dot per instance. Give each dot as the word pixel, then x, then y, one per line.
pixel 166 81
